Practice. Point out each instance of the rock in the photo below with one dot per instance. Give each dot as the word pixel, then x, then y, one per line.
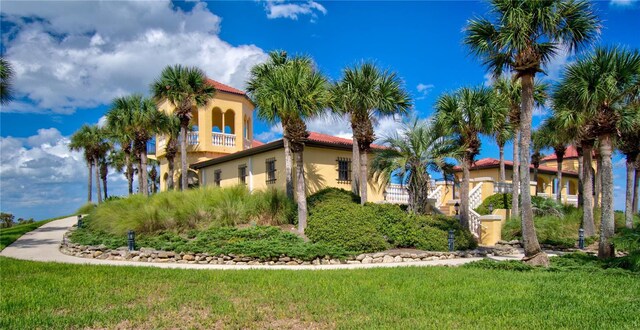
pixel 284 259
pixel 367 260
pixel 378 255
pixel 292 263
pixel 280 263
pixel 387 259
pixel 97 253
pixel 405 255
pixel 208 259
pixel 161 260
pixel 397 259
pixel 514 242
pixel 229 262
pixel 166 254
pixel 407 259
pixel 324 262
pixel 334 262
pixel 353 262
pixel 361 256
pixel 253 262
pixel 188 257
pixel 136 258
pixel 376 260
pixel 241 263
pixel 314 262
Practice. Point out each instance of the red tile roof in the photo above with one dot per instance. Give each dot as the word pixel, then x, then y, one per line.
pixel 571 152
pixel 225 88
pixel 492 162
pixel 324 138
pixel 256 143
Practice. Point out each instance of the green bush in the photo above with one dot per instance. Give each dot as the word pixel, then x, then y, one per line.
pixel 336 218
pixel 201 208
pixel 498 202
pixel 262 242
pixel 510 265
pixel 348 225
pixel 329 195
pixel 86 208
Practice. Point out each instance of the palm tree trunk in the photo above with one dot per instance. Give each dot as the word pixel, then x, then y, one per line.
pixel 183 156
pixel 515 180
pixel 355 168
pixel 288 167
pixel 97 173
pixel 363 176
pixel 606 249
pixel 533 254
pixel 141 179
pixel 104 185
pixel 636 188
pixel 598 177
pixel 143 170
pixel 464 192
pixel 628 208
pixel 301 191
pixel 170 162
pixel 587 186
pixel 502 170
pixel 90 182
pixel 580 178
pixel 127 159
pixel 559 176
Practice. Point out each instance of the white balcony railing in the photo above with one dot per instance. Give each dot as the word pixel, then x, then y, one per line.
pixel 396 194
pixel 223 139
pixel 192 137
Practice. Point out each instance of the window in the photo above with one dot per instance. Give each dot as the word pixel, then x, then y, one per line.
pixel 344 170
pixel 242 174
pixel 217 175
pixel 271 170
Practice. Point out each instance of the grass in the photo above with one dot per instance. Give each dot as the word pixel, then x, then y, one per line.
pixel 11 234
pixel 50 295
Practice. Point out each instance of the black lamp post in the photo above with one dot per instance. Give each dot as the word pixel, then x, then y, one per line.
pixel 131 235
pixel 451 240
pixel 491 208
pixel 581 238
pixel 456 207
pixel 79 223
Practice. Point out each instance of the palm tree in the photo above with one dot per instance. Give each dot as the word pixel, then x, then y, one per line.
pixel 290 93
pixel 172 130
pixel 92 140
pixel 6 83
pixel 510 91
pixel 537 144
pixel 410 155
pixel 365 92
pixel 258 75
pixel 606 81
pixel 629 145
pixel 119 124
pixel 464 115
pixel 523 37
pixel 553 135
pixel 153 175
pixel 570 114
pixel 146 122
pixel 183 87
pixel 103 161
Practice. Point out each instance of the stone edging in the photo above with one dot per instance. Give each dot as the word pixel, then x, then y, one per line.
pixel 156 256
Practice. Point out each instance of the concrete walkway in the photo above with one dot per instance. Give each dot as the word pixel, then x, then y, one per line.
pixel 43 245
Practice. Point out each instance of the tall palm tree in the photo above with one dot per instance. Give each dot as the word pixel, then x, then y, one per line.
pixel 153 175
pixel 553 135
pixel 523 37
pixel 119 124
pixel 465 115
pixel 502 133
pixel 410 155
pixel 365 93
pixel 629 144
pixel 606 81
pixel 570 114
pixel 184 88
pixel 172 129
pixel 91 139
pixel 258 75
pixel 103 163
pixel 510 91
pixel 146 122
pixel 290 93
pixel 538 142
pixel 6 83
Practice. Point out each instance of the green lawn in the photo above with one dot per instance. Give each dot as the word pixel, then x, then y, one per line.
pixel 48 295
pixel 9 235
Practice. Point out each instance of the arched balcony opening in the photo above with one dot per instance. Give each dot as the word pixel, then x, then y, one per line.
pixel 223 128
pixel 246 132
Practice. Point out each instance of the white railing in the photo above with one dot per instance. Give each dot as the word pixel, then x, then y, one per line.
pixel 475 196
pixel 223 139
pixel 192 137
pixel 474 223
pixel 396 194
pixel 247 143
pixel 437 195
pixel 572 200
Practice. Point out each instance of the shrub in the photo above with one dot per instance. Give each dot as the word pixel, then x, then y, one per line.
pixel 347 225
pixel 329 195
pixel 510 265
pixel 498 202
pixel 86 208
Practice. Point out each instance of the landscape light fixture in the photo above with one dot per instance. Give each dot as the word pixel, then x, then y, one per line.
pixel 79 223
pixel 131 235
pixel 456 207
pixel 491 208
pixel 451 240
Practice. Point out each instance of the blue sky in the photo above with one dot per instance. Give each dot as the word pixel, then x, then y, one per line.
pixel 72 58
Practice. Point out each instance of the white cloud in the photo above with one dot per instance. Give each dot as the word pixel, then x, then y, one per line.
pixel 423 90
pixel 274 133
pixel 291 10
pixel 83 54
pixel 622 3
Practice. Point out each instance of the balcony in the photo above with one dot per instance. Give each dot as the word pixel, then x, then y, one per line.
pixel 223 139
